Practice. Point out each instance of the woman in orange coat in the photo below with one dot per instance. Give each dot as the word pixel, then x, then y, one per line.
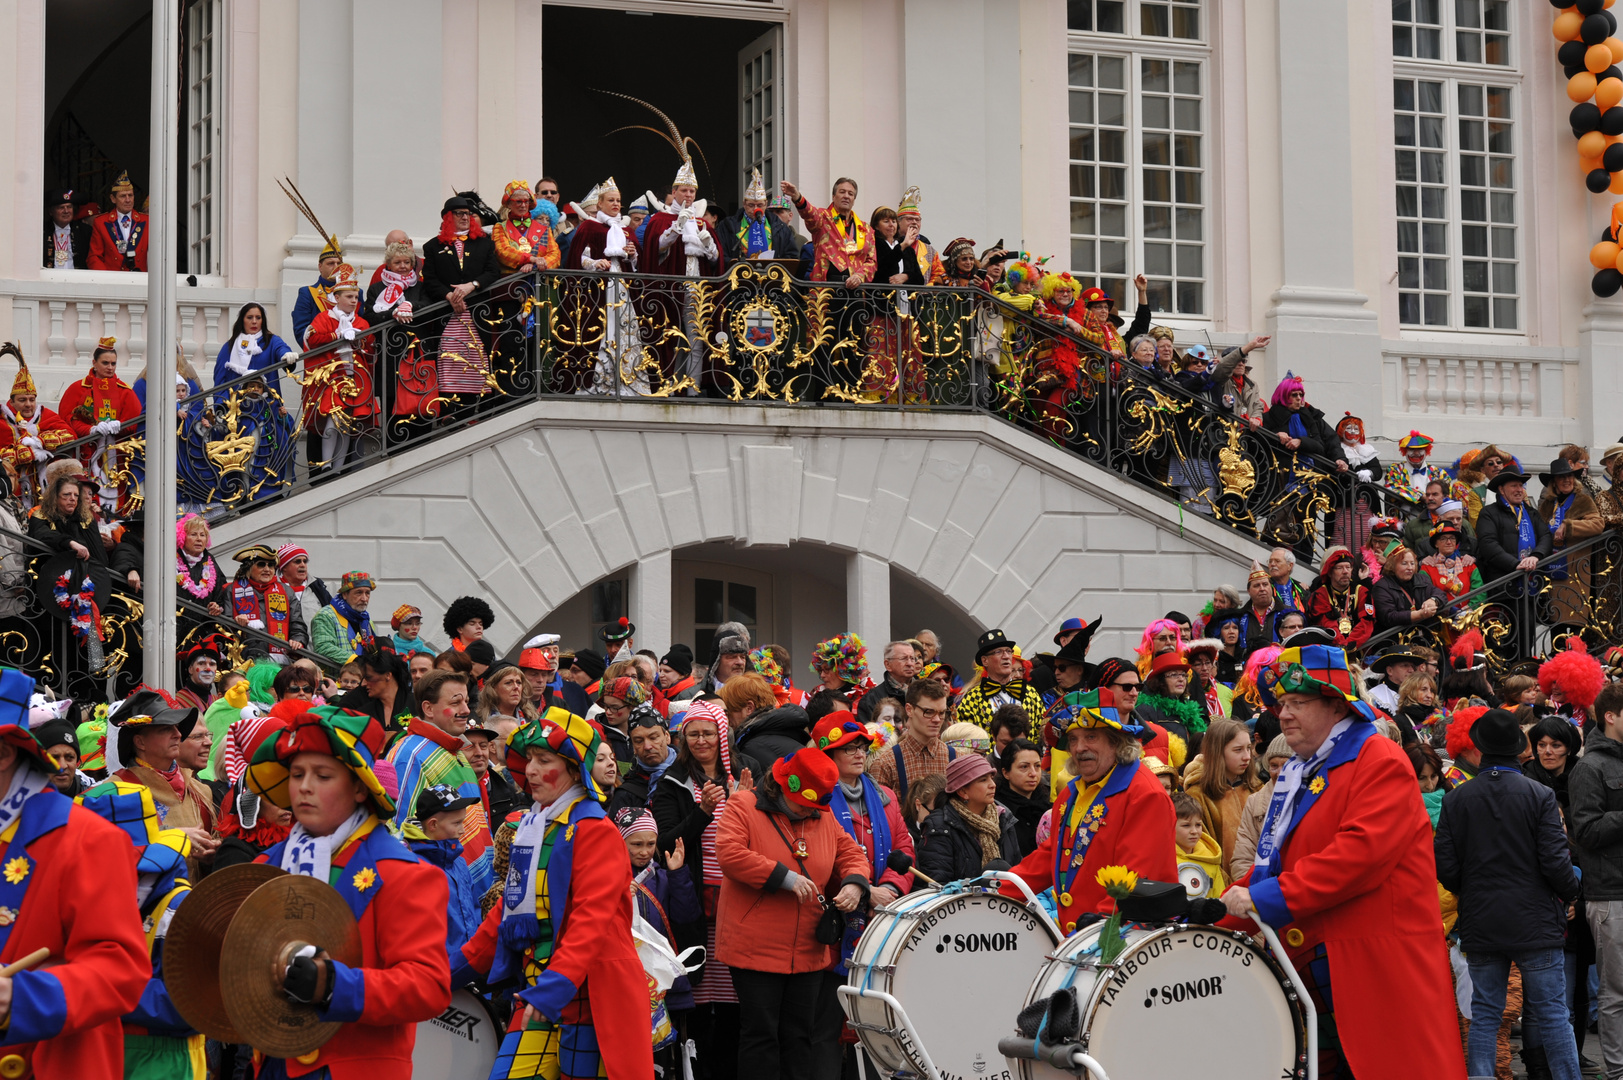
pixel 321 768
pixel 780 854
pixel 565 913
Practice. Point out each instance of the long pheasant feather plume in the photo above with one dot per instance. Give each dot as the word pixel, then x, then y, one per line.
pixel 291 190
pixel 678 141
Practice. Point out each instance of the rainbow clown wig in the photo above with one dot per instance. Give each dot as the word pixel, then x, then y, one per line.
pixel 1021 273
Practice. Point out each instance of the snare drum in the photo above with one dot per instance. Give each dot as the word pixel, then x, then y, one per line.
pixel 458 1044
pixel 925 950
pixel 1210 987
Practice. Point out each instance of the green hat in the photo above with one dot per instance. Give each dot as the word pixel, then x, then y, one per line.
pixel 354 738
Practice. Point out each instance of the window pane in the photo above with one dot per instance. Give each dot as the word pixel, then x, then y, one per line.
pixel 1081 67
pixel 1081 107
pixel 1436 309
pixel 1160 295
pixel 1473 205
pixel 1108 16
pixel 1408 202
pixel 1405 164
pixel 1402 41
pixel 1473 170
pixel 1188 187
pixel 1082 145
pixel 1157 222
pixel 1476 311
pixel 1082 256
pixel 1504 208
pixel 1082 218
pixel 1112 257
pixel 1432 170
pixel 706 602
pixel 1408 236
pixel 1474 276
pixel 1504 314
pixel 1471 100
pixel 1408 273
pixel 1409 307
pixel 1504 243
pixel 1186 114
pixel 741 603
pixel 1082 180
pixel 1189 224
pixel 1474 240
pixel 1190 260
pixel 1186 22
pixel 1155 76
pixel 1191 298
pixel 1403 94
pixel 1434 273
pixel 1156 112
pixel 1431 96
pixel 1504 277
pixel 1112 146
pixel 1113 183
pixel 1468 48
pixel 1158 259
pixel 1112 219
pixel 1157 149
pixel 1112 109
pixel 1188 151
pixel 1112 72
pixel 1157 185
pixel 1186 77
pixel 1153 19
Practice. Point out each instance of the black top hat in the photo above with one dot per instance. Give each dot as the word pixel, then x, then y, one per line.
pixel 1504 476
pixel 1558 468
pixel 992 639
pixel 456 202
pixel 1497 734
pixel 618 630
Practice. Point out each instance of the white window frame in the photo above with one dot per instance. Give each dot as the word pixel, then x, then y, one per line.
pixel 1451 75
pixel 771 163
pixel 1134 47
pixel 1450 28
pixel 196 198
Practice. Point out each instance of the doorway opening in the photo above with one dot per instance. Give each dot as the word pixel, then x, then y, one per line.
pixel 710 61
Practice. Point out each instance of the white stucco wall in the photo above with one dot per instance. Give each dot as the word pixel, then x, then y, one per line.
pixel 530 508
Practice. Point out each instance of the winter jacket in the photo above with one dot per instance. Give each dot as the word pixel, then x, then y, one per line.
pixel 870 701
pixel 1501 850
pixel 1320 443
pixel 659 893
pixel 1595 810
pixel 1391 596
pixel 1244 402
pixel 679 817
pixel 760 924
pixel 462 916
pixel 1498 540
pixel 1245 841
pixel 1027 811
pixel 776 734
pixel 1209 857
pixel 952 852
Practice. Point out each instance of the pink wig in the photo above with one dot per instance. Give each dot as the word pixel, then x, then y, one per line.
pixel 1147 642
pixel 180 529
pixel 1246 685
pixel 1286 386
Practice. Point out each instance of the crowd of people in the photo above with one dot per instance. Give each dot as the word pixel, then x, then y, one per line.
pixel 732 809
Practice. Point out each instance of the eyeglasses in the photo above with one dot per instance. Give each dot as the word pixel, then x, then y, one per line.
pixel 302 690
pixel 271 563
pixel 1125 688
pixel 930 714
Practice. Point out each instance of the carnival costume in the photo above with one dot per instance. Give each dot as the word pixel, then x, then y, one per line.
pixel 1349 613
pixel 119 241
pixel 338 631
pixel 340 399
pixel 101 407
pixel 564 916
pixel 65 1017
pixel 159 1043
pixel 1345 874
pixel 1454 576
pixel 428 757
pixel 27 441
pixel 1411 483
pixel 1122 819
pixel 399 902
pixel 267 606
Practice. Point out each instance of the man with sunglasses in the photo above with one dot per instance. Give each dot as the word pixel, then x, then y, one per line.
pixel 259 601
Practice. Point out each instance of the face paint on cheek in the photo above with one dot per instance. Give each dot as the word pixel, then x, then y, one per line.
pixel 549 777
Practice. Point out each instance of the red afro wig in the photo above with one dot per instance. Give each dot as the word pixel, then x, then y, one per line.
pixel 1459 730
pixel 1578 675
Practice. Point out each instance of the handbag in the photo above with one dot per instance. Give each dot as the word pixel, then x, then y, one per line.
pixel 831 923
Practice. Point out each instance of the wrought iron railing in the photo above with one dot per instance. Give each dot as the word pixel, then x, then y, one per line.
pixel 756 336
pixel 37 635
pixel 1526 614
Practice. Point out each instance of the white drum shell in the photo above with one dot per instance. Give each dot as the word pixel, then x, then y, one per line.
pixel 951 960
pixel 459 1044
pixel 1176 991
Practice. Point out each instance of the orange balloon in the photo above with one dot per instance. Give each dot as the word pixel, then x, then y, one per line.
pixel 1597 58
pixel 1615 45
pixel 1581 87
pixel 1604 254
pixel 1608 92
pixel 1591 144
pixel 1587 165
pixel 1616 186
pixel 1567 25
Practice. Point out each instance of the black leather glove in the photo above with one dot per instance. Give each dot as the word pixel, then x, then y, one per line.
pixel 309 981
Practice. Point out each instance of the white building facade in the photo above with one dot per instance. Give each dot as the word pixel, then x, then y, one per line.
pixel 1387 187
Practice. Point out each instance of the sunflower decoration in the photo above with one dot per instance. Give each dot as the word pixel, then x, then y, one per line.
pixel 1118 882
pixel 1317 785
pixel 364 879
pixel 16 869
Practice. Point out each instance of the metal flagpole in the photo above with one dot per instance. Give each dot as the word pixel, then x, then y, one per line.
pixel 158 574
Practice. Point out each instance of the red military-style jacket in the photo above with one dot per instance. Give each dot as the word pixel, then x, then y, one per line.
pixel 58 868
pixel 405 976
pixel 1138 833
pixel 1356 874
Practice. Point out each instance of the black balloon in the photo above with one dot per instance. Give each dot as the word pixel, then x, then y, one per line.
pixel 1611 20
pixel 1596 29
pixel 1611 121
pixel 1572 69
pixel 1590 7
pixel 1571 54
pixel 1613 72
pixel 1598 180
pixel 1606 282
pixel 1585 117
pixel 1612 159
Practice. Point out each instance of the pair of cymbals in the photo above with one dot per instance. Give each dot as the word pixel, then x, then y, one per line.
pixel 228 948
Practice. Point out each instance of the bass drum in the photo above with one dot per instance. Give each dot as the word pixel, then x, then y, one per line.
pixel 458 1044
pixel 1210 988
pixel 932 951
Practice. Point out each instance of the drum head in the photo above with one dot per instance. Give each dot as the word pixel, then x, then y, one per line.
pixel 460 1042
pixel 963 948
pixel 1214 989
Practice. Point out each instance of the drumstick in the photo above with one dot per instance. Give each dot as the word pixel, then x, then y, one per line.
pixel 32 960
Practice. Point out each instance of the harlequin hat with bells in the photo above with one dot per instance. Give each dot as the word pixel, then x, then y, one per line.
pixel 355 739
pixel 807 778
pixel 560 732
